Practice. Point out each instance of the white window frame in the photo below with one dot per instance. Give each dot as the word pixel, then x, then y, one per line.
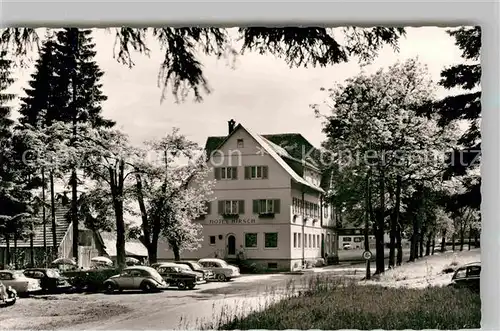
pixel 233 207
pixel 277 240
pixel 299 240
pixel 295 240
pixel 256 240
pixel 254 170
pixel 224 173
pixel 268 204
pixel 314 241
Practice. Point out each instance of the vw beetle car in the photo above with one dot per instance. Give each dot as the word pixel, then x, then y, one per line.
pixel 136 278
pixel 180 275
pixel 222 270
pixel 8 295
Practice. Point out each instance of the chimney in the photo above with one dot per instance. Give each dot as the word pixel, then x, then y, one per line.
pixel 230 125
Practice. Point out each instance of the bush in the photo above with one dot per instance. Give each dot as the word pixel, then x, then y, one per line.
pixel 331 305
pixel 332 259
pixel 90 280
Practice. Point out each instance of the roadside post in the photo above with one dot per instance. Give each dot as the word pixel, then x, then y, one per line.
pixel 367 255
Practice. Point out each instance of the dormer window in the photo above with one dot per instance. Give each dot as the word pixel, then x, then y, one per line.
pixel 240 143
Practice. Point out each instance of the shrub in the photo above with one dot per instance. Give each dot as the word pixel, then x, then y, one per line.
pixel 330 304
pixel 332 259
pixel 90 280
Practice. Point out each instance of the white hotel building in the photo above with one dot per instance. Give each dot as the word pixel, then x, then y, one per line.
pixel 268 202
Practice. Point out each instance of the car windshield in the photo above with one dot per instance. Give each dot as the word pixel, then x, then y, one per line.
pixel 196 265
pixel 53 273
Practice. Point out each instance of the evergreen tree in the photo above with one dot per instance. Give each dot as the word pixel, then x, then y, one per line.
pixel 80 74
pixel 465 106
pixel 12 191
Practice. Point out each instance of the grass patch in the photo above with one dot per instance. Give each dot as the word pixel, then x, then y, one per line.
pixel 330 304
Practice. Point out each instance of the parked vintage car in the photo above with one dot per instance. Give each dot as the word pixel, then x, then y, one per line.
pixel 467 276
pixel 19 282
pixel 50 279
pixel 180 275
pixel 8 296
pixel 195 266
pixel 136 278
pixel 221 269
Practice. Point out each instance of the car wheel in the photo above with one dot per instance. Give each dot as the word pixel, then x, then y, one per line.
pixel 147 287
pixel 191 286
pixel 110 287
pixel 222 277
pixel 181 285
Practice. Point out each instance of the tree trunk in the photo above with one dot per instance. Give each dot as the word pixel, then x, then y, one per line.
pixel 399 257
pixel 421 243
pixel 462 235
pixel 74 181
pixel 147 240
pixel 176 250
pixel 74 213
pixel 433 245
pixel 53 212
pixel 367 224
pixel 7 250
pixel 32 249
pixel 44 217
pixel 428 245
pixel 117 182
pixel 379 235
pixel 470 236
pixel 16 266
pixel 443 242
pixel 476 239
pixel 453 242
pixel 394 222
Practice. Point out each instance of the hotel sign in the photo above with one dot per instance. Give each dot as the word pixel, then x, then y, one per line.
pixel 235 221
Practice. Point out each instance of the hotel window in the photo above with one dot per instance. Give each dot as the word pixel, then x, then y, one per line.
pixel 266 206
pixel 347 239
pixel 231 207
pixel 317 241
pixel 271 240
pixel 295 240
pixel 212 240
pixel 314 241
pixel 240 143
pixel 250 240
pixel 305 240
pixel 226 173
pixel 310 241
pixel 256 172
pixel 299 237
pixel 358 239
pixel 326 211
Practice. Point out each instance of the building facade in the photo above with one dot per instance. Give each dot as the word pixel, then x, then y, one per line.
pixel 268 203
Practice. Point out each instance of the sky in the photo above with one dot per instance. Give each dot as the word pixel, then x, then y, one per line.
pixel 261 92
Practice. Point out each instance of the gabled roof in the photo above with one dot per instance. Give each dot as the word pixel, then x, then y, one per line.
pixel 276 152
pixel 133 247
pixel 62 225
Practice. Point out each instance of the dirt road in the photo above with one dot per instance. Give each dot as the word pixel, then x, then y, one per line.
pixel 171 309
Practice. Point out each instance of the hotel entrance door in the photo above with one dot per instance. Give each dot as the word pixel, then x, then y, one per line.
pixel 231 245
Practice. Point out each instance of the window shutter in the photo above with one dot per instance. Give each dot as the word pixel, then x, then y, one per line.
pixel 241 206
pixel 221 207
pixel 247 172
pixel 255 206
pixel 265 172
pixel 217 173
pixel 276 206
pixel 235 172
pixel 209 205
